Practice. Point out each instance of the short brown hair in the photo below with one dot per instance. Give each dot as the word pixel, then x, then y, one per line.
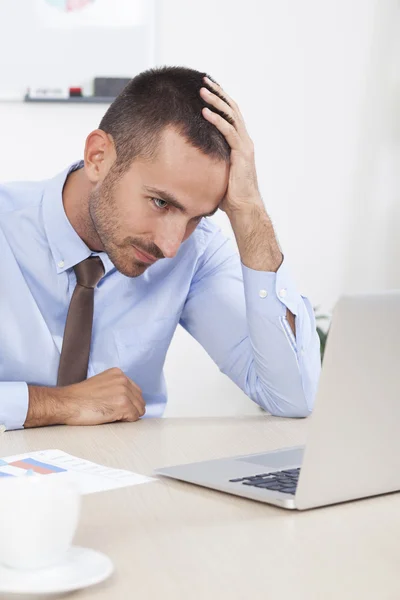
pixel 154 100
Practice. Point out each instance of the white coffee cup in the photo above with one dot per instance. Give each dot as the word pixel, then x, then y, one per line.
pixel 38 520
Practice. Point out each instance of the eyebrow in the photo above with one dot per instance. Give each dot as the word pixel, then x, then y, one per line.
pixel 172 200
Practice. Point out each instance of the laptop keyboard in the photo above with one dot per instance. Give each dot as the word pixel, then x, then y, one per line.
pixel 279 481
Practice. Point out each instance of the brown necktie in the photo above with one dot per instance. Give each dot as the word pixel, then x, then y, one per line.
pixel 74 358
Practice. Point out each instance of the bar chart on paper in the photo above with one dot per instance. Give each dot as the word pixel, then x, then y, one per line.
pixel 27 466
pixel 89 476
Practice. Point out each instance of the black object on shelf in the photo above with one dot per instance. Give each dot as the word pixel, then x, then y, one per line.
pixel 109 86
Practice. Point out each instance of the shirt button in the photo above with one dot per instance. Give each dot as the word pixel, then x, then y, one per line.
pixel 263 293
pixel 283 293
pixel 60 264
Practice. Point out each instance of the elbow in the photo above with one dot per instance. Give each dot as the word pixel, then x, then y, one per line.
pixel 300 412
pixel 291 412
pixel 297 400
pixel 299 406
pixel 288 393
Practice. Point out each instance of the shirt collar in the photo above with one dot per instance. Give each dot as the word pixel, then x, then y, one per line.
pixel 67 248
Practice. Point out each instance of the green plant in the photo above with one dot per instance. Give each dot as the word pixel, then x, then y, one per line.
pixel 322 332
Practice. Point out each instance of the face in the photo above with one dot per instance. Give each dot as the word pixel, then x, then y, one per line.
pixel 146 214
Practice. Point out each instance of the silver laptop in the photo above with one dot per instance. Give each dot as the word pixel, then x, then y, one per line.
pixel 353 442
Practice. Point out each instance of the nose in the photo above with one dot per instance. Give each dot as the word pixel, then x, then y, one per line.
pixel 169 238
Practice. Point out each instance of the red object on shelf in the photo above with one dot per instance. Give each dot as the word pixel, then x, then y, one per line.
pixel 75 91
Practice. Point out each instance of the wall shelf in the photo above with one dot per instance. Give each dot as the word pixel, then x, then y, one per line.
pixel 74 100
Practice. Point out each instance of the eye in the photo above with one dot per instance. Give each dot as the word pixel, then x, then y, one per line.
pixel 161 204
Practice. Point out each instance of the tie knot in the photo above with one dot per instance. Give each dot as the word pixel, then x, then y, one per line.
pixel 89 271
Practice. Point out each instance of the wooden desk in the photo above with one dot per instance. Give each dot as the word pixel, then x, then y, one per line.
pixel 171 540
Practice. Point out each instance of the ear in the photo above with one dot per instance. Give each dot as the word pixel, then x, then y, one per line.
pixel 100 155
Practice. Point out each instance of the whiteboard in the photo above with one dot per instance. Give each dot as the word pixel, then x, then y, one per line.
pixel 66 43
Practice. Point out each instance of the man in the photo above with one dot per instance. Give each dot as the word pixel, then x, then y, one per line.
pixel 100 264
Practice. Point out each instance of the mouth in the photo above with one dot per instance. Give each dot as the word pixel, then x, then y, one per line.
pixel 143 256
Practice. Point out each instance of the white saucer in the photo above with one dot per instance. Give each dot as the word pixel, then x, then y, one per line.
pixel 82 567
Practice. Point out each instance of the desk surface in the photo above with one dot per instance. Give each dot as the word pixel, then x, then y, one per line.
pixel 171 540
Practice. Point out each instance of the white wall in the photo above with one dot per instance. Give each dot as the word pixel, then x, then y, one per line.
pixel 316 83
pixel 312 79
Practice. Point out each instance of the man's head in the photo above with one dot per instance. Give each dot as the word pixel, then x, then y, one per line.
pixel 156 167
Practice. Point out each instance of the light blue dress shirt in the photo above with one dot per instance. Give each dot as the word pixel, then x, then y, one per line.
pixel 237 314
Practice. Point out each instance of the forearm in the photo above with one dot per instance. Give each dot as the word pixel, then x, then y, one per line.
pixel 47 406
pixel 258 247
pixel 255 237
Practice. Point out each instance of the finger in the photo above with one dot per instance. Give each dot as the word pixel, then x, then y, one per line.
pixel 138 403
pixel 214 86
pixel 218 89
pixel 234 116
pixel 132 412
pixel 219 104
pixel 136 398
pixel 132 389
pixel 131 417
pixel 227 130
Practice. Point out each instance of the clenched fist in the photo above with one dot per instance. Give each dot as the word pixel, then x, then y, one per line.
pixel 107 397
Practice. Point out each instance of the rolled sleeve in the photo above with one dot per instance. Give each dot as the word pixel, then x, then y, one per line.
pixel 14 401
pixel 268 297
pixel 239 315
pixel 269 292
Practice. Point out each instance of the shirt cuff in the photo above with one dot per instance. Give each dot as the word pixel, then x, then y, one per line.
pixel 270 292
pixel 14 402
